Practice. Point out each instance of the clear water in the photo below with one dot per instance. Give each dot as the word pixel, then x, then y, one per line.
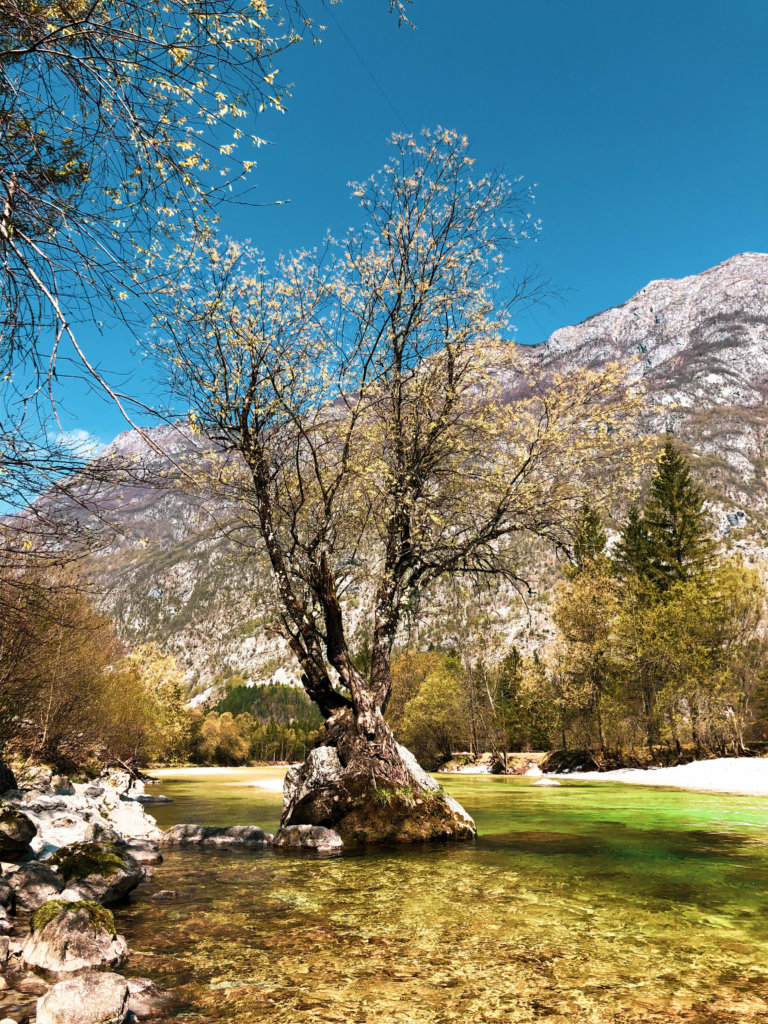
pixel 589 903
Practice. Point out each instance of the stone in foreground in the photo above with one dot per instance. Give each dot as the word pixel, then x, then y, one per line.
pixel 104 872
pixel 210 835
pixel 34 884
pixel 67 937
pixel 309 837
pixel 91 998
pixel 16 833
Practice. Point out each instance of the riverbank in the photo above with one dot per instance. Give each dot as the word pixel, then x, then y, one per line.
pixel 748 775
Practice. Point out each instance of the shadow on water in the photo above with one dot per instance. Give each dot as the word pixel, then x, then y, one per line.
pixel 579 905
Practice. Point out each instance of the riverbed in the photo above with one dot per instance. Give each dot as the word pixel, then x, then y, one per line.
pixel 584 904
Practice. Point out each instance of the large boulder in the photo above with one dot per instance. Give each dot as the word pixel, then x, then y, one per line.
pixel 16 833
pixel 34 884
pixel 94 997
pixel 104 872
pixel 211 835
pixel 362 808
pixel 314 838
pixel 67 937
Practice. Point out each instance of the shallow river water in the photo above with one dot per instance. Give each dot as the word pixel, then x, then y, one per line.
pixel 590 903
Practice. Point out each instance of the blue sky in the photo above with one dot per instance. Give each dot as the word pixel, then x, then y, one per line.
pixel 643 125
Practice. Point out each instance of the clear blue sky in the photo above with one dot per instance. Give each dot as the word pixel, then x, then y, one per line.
pixel 644 126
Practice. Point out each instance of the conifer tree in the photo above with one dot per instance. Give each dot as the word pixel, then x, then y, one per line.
pixel 668 542
pixel 589 537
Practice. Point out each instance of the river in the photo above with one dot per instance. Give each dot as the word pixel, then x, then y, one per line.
pixel 592 903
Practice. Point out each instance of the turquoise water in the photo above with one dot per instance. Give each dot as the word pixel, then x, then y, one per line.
pixel 592 903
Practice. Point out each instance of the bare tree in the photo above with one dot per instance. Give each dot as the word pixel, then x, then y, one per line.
pixel 383 435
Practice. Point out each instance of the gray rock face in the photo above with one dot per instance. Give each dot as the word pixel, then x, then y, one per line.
pixel 35 884
pixel 209 835
pixel 96 833
pixel 321 770
pixel 78 937
pixel 91 998
pixel 104 872
pixel 16 833
pixel 314 838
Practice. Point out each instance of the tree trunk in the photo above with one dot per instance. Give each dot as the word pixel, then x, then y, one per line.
pixel 360 782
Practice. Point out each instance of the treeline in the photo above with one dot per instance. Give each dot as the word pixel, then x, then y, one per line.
pixel 255 723
pixel 661 647
pixel 70 694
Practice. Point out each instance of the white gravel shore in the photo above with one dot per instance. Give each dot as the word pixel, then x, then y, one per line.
pixel 721 775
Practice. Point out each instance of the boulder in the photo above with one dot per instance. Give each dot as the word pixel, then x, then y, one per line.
pixel 94 791
pixel 149 798
pixel 145 998
pixel 314 838
pixel 7 895
pixel 34 884
pixel 61 785
pixel 7 779
pixel 322 770
pixel 16 833
pixel 210 835
pixel 545 783
pixel 94 997
pixel 96 833
pixel 104 872
pixel 145 851
pixel 68 937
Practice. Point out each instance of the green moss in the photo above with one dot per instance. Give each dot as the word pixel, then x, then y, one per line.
pixel 83 859
pixel 99 917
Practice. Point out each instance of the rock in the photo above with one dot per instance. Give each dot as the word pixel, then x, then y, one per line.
pixel 7 895
pixel 5 948
pixel 165 894
pixel 547 782
pixel 31 985
pixel 321 770
pixel 66 937
pixel 7 779
pixel 35 884
pixel 96 833
pixel 309 837
pixel 98 871
pixel 145 997
pixel 148 798
pixel 61 785
pixel 210 835
pixel 533 772
pixel 94 791
pixel 145 851
pixel 91 998
pixel 16 833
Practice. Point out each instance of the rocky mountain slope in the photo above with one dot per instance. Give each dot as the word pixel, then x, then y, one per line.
pixel 167 571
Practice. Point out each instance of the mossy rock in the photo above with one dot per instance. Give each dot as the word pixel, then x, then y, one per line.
pixel 80 860
pixel 99 917
pixel 16 831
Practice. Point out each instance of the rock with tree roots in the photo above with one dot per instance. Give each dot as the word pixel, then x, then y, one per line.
pixel 68 937
pixel 371 792
pixel 103 872
pixel 94 997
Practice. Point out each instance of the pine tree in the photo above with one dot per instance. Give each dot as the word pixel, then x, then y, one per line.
pixel 668 543
pixel 589 538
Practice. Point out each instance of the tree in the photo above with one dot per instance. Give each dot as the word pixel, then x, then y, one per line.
pixel 360 410
pixel 589 537
pixel 669 542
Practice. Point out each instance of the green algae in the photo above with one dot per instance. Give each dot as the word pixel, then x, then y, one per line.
pixel 590 904
pixel 100 918
pixel 79 860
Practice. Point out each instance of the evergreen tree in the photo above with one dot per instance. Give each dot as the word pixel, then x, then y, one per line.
pixel 668 542
pixel 632 555
pixel 675 519
pixel 589 538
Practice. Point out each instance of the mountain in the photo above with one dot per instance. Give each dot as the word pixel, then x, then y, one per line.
pixel 167 570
